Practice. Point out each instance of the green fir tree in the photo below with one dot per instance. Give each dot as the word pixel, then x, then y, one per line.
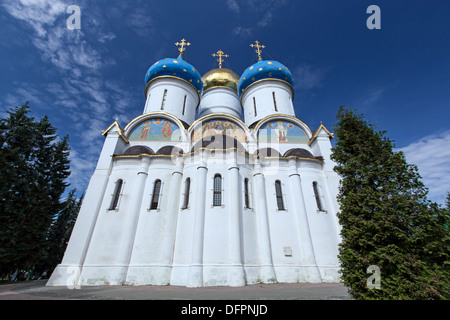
pixel 386 218
pixel 59 232
pixel 33 167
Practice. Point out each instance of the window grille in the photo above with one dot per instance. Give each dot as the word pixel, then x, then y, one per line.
pixel 116 195
pixel 187 190
pixel 155 196
pixel 279 195
pixel 217 196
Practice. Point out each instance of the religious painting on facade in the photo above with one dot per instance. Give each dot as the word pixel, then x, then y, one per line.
pixel 156 130
pixel 282 131
pixel 219 127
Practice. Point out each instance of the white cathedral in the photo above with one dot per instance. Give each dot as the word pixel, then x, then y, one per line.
pixel 217 183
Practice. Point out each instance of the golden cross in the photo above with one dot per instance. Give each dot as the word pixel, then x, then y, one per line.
pixel 258 50
pixel 182 45
pixel 220 54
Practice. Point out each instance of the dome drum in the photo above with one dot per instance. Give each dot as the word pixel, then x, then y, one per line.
pixel 173 96
pixel 266 98
pixel 220 100
pixel 266 88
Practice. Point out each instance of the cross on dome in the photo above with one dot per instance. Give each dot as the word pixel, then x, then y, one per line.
pixel 258 49
pixel 182 45
pixel 220 54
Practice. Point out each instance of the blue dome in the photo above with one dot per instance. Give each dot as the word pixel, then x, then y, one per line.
pixel 264 70
pixel 177 68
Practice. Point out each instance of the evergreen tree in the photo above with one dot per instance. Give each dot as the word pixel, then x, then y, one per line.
pixel 59 232
pixel 447 201
pixel 33 167
pixel 386 218
pixel 447 214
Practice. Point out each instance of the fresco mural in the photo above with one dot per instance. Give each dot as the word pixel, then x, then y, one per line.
pixel 281 131
pixel 218 126
pixel 156 130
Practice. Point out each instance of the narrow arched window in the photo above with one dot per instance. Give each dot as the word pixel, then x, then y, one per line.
pixel 318 197
pixel 187 190
pixel 246 194
pixel 279 195
pixel 155 196
pixel 254 105
pixel 163 102
pixel 217 196
pixel 184 105
pixel 274 101
pixel 116 195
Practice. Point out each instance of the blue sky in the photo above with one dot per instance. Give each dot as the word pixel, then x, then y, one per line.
pixel 398 76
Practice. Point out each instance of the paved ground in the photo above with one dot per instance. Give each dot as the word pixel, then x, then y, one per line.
pixel 36 290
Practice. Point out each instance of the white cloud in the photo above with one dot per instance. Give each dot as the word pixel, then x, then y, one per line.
pixel 24 92
pixel 233 6
pixel 242 31
pixel 307 77
pixel 81 166
pixel 64 48
pixel 431 154
pixel 373 96
pixel 38 13
pixel 139 21
pixel 84 100
pixel 262 13
pixel 266 20
pixel 106 37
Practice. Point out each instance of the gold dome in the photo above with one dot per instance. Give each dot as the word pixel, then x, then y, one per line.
pixel 220 77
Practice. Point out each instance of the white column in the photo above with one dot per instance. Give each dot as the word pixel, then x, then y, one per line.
pixel 168 241
pixel 331 205
pixel 308 259
pixel 237 274
pixel 265 249
pixel 195 277
pixel 132 222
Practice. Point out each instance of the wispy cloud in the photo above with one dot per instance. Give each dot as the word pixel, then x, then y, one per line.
pixel 83 100
pixel 81 163
pixel 241 31
pixel 106 37
pixel 233 6
pixel 253 14
pixel 64 48
pixel 37 13
pixel 373 96
pixel 308 77
pixel 23 93
pixel 431 154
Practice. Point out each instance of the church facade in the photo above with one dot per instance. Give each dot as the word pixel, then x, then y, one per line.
pixel 217 183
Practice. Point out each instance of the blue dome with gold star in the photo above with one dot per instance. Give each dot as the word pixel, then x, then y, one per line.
pixel 264 70
pixel 176 68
